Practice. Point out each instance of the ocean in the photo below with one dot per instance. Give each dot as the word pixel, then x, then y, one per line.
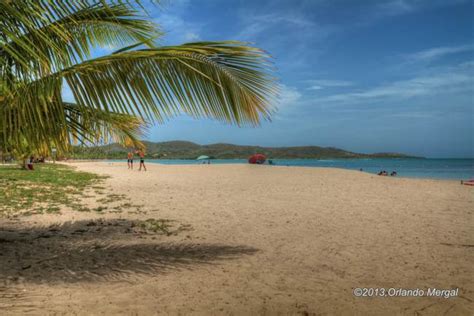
pixel 454 169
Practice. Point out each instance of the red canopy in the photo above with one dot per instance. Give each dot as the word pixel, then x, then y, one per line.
pixel 257 159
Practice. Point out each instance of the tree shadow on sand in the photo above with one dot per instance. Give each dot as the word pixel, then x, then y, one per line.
pixel 93 251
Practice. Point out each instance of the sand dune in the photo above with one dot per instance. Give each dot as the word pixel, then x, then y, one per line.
pixel 246 240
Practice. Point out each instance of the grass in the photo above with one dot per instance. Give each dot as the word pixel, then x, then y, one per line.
pixel 157 226
pixel 51 186
pixel 45 189
pixel 111 198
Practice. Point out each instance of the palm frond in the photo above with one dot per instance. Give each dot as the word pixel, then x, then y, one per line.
pixel 92 126
pixel 37 116
pixel 228 81
pixel 68 39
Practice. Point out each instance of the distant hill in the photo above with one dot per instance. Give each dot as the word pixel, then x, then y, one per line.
pixel 189 150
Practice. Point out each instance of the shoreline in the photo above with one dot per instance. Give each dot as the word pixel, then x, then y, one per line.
pixel 367 169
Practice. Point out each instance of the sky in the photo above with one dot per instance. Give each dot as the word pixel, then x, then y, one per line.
pixel 365 76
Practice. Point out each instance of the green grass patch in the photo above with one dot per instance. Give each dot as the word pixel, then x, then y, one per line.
pixel 156 226
pixel 111 198
pixel 45 189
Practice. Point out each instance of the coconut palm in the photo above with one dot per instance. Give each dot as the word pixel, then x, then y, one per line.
pixel 46 44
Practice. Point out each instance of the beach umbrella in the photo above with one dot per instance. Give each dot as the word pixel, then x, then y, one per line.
pixel 203 157
pixel 257 159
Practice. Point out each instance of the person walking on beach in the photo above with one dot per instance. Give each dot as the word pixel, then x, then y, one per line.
pixel 130 160
pixel 142 159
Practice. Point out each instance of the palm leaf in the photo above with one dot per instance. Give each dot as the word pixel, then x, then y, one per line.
pixel 228 81
pixel 92 126
pixel 68 40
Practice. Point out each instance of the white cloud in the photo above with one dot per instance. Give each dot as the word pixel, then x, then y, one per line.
pixel 259 23
pixel 289 96
pixel 178 30
pixel 301 36
pixel 320 84
pixel 415 87
pixel 256 25
pixel 413 115
pixel 438 52
pixel 387 8
pixel 395 7
pixel 467 64
pixel 290 18
pixel 192 37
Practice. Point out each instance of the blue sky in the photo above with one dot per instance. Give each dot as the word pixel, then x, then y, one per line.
pixel 366 76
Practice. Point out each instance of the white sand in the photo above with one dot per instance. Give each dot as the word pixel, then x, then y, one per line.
pixel 263 240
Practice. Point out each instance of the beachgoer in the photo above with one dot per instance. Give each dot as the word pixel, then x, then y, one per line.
pixel 142 160
pixel 393 174
pixel 130 160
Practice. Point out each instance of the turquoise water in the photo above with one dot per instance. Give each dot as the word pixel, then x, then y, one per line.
pixel 455 169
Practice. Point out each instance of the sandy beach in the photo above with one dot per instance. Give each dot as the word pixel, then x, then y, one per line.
pixel 245 240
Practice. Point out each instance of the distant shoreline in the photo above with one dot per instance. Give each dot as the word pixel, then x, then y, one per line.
pixel 426 168
pixel 279 158
pixel 189 150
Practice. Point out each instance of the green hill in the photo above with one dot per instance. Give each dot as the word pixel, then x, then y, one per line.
pixel 189 150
